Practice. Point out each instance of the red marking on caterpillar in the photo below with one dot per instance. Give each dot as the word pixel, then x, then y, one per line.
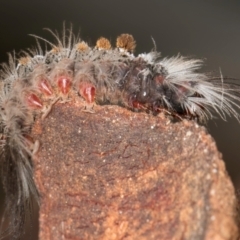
pixel 33 101
pixel 45 87
pixel 64 84
pixel 132 103
pixel 101 75
pixel 87 91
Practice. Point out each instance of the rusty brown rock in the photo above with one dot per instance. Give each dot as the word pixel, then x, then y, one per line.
pixel 116 174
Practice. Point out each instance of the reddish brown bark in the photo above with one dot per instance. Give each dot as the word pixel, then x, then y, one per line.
pixel 116 174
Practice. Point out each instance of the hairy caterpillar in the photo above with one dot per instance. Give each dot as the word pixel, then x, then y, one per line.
pixel 102 74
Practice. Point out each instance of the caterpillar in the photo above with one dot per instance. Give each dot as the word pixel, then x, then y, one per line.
pixel 31 84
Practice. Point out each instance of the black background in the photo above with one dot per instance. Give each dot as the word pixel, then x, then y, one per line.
pixel 208 30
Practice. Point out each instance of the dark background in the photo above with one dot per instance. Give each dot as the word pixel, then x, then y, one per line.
pixel 204 29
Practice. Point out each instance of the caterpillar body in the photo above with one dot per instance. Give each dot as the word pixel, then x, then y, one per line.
pixel 101 74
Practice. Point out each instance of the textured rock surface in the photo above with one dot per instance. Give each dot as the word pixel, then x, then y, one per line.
pixel 116 174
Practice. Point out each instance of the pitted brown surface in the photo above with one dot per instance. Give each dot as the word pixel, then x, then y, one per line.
pixel 116 174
